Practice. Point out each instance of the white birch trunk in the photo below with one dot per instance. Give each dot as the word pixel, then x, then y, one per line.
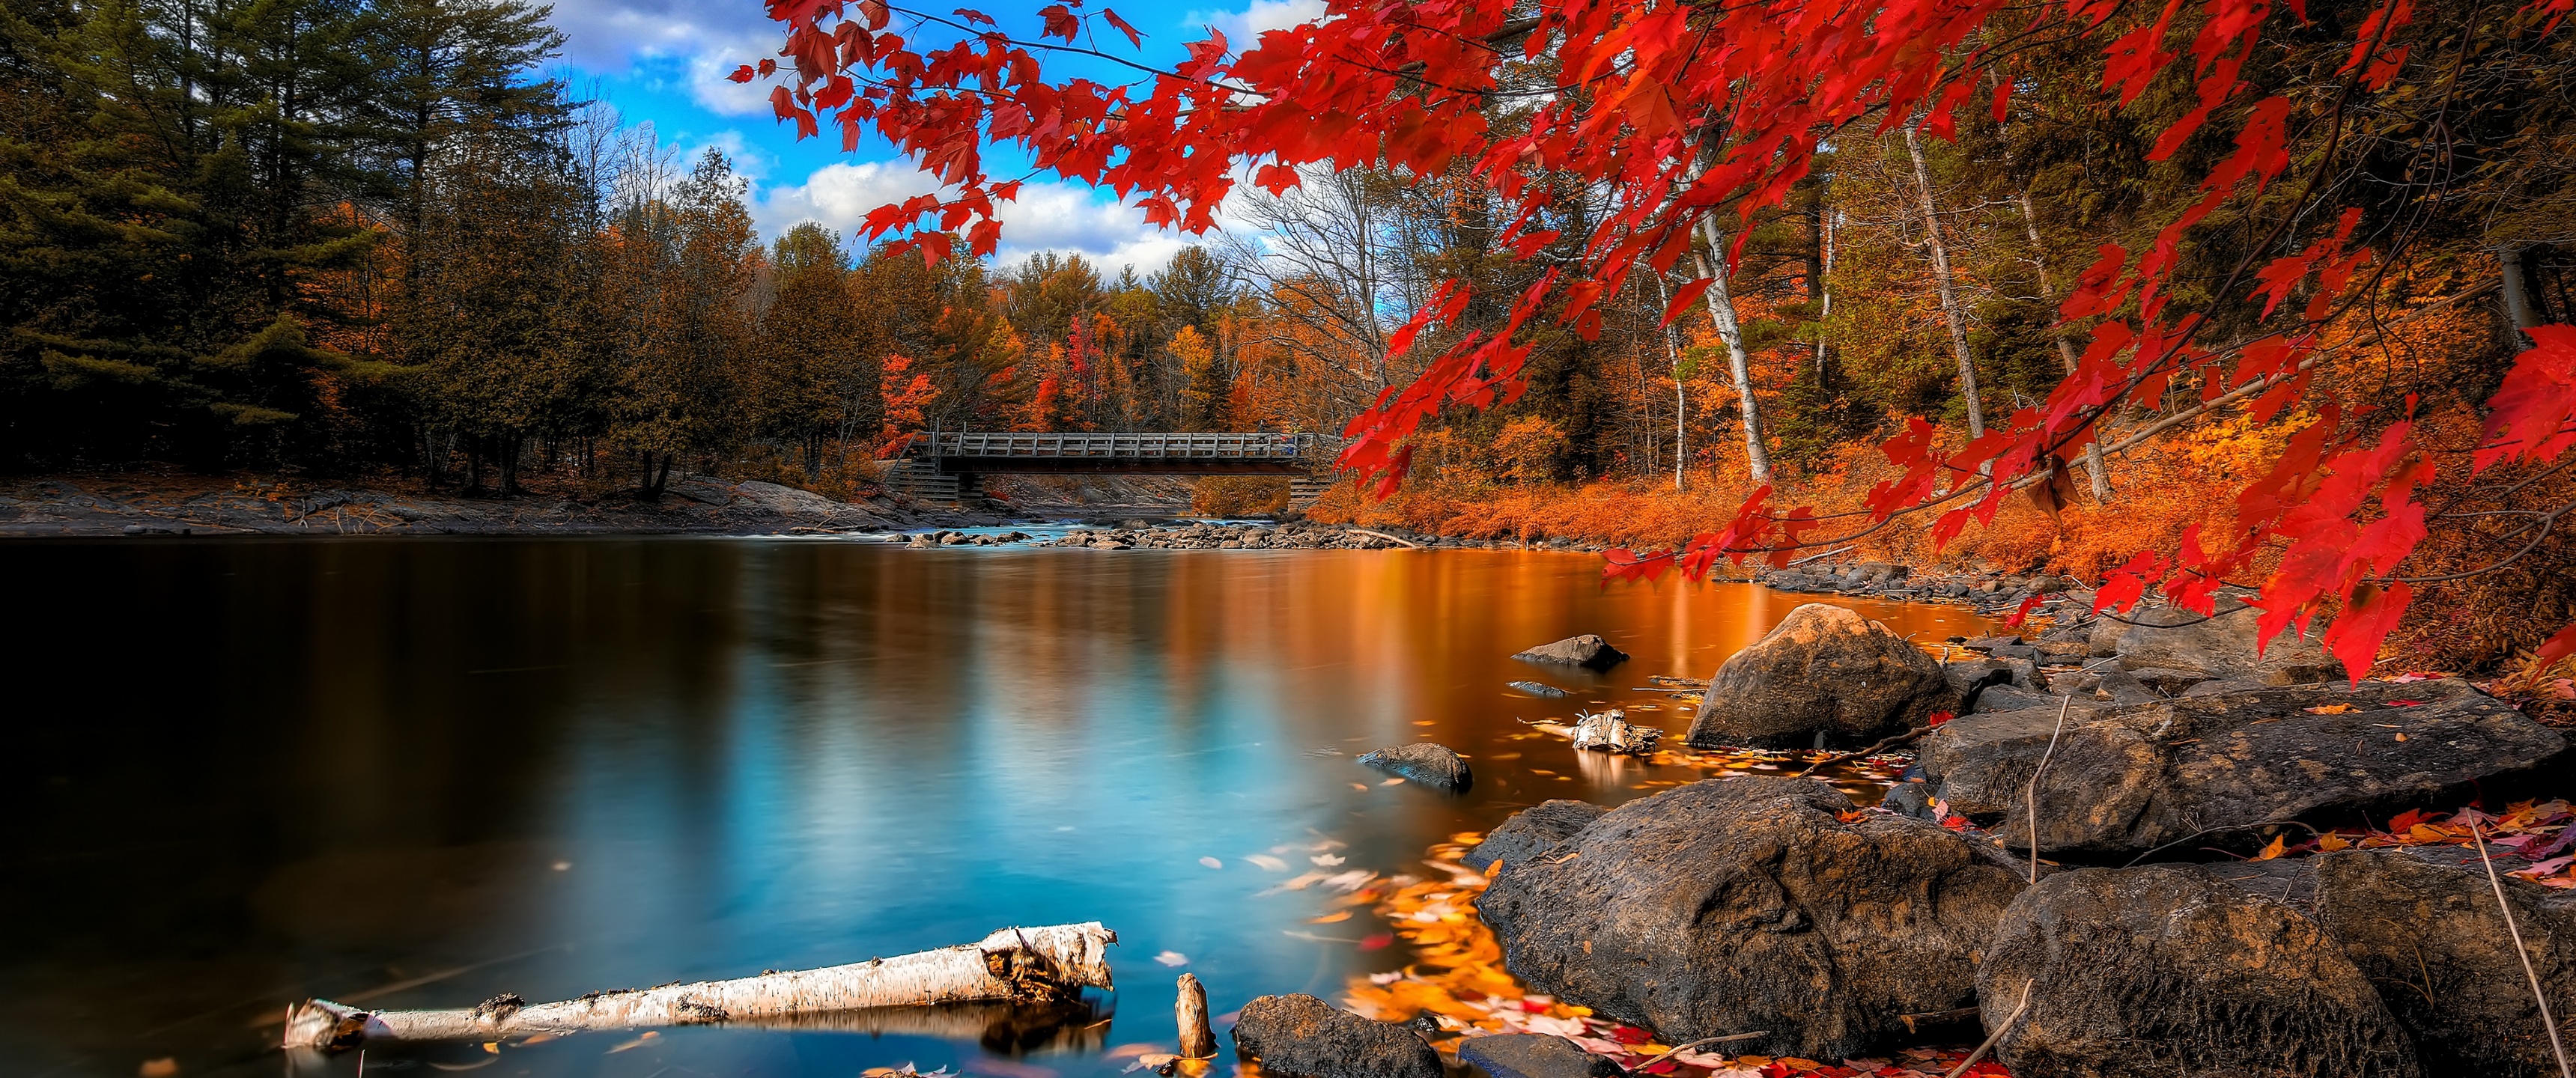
pixel 2093 466
pixel 1721 313
pixel 1673 355
pixel 1021 964
pixel 1950 311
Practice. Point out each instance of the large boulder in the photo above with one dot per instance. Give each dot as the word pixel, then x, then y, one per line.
pixel 1824 675
pixel 1587 651
pixel 1304 1037
pixel 2163 971
pixel 1424 762
pixel 2423 923
pixel 2221 645
pixel 1533 831
pixel 1730 906
pixel 2136 778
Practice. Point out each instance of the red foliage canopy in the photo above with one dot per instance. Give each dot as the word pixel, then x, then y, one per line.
pixel 1683 112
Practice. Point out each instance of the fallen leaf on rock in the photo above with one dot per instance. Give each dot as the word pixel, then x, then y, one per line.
pixel 2274 849
pixel 2332 709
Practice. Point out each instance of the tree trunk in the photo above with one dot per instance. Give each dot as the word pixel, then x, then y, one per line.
pixel 1673 355
pixel 1950 311
pixel 2517 295
pixel 1721 313
pixel 1021 964
pixel 2094 469
pixel 1824 295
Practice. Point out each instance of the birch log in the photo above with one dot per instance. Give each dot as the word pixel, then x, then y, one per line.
pixel 1015 964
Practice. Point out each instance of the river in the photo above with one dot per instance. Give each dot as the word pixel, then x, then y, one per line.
pixel 421 773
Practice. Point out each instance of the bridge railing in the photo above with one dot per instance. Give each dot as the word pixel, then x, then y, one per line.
pixel 1183 446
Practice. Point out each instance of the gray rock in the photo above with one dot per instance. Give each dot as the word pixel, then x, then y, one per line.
pixel 1979 764
pixel 1823 671
pixel 2123 688
pixel 2161 971
pixel 1532 831
pixel 1751 904
pixel 1533 1055
pixel 1909 799
pixel 1536 689
pixel 2221 646
pixel 2011 698
pixel 1587 650
pixel 1423 762
pixel 2133 779
pixel 2167 682
pixel 2423 923
pixel 1303 1037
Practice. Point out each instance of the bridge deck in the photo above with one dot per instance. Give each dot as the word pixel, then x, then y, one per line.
pixel 974 453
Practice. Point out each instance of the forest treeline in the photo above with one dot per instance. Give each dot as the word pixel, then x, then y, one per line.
pixel 347 235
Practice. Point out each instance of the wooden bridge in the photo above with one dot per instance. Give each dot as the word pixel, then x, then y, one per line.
pixel 950 465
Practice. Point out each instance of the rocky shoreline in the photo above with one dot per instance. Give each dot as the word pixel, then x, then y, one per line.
pixel 2130 848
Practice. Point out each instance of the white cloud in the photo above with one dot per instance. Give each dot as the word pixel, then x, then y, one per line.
pixel 1061 217
pixel 696 43
pixel 1241 28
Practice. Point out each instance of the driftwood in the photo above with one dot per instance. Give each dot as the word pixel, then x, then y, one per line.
pixel 1022 965
pixel 1190 1009
pixel 1609 731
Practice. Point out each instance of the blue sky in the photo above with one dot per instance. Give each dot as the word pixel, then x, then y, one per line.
pixel 664 61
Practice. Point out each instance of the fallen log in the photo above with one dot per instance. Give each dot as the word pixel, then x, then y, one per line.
pixel 1024 965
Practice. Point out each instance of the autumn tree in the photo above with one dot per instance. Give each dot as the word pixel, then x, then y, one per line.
pixel 813 381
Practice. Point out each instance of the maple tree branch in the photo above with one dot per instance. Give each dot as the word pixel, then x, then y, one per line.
pixel 1007 39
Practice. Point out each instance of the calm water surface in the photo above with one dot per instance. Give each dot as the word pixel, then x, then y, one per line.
pixel 421 773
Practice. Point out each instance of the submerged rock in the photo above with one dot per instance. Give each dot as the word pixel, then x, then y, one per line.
pixel 2170 638
pixel 1423 762
pixel 1587 651
pixel 2137 778
pixel 1823 672
pixel 1532 831
pixel 1303 1037
pixel 1537 689
pixel 1728 906
pixel 2162 970
pixel 2423 923
pixel 1534 1055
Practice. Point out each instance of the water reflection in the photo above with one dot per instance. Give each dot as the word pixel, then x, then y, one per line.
pixel 425 773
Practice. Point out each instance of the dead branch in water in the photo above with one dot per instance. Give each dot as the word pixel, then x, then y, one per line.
pixel 1882 746
pixel 1015 964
